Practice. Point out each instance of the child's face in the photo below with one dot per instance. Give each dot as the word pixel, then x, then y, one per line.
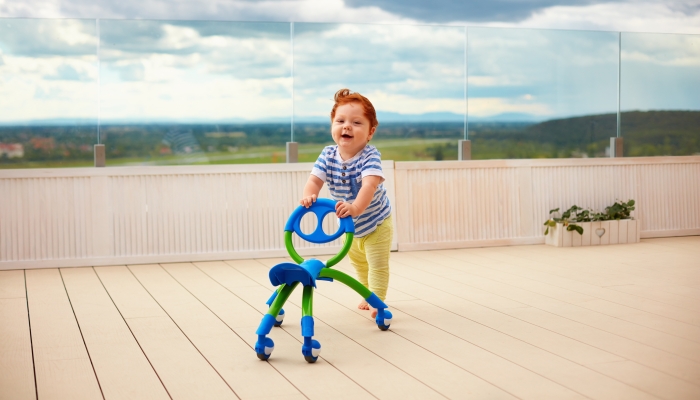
pixel 350 129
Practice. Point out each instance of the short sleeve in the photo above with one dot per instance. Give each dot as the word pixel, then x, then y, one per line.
pixel 321 165
pixel 372 163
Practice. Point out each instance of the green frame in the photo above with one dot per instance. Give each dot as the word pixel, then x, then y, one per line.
pixel 331 262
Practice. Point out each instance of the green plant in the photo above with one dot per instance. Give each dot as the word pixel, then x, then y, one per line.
pixel 619 210
pixel 565 219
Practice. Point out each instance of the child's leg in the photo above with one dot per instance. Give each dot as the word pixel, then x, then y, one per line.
pixel 377 247
pixel 358 260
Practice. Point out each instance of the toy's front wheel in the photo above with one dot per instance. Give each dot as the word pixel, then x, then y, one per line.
pixel 264 349
pixel 311 352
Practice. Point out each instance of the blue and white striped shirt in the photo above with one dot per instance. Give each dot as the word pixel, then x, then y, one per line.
pixel 344 179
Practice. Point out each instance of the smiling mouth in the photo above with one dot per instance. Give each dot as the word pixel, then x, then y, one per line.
pixel 346 136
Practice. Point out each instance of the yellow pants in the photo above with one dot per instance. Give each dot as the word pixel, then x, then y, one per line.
pixel 370 257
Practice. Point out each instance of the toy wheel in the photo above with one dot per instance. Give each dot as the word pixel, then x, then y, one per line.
pixel 264 350
pixel 311 353
pixel 279 319
pixel 384 321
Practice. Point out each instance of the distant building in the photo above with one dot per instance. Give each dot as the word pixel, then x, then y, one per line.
pixel 11 150
pixel 43 143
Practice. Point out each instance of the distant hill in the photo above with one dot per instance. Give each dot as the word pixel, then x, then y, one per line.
pixel 605 125
pixel 646 133
pixel 574 131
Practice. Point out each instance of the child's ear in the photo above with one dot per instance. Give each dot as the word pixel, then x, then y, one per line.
pixel 371 133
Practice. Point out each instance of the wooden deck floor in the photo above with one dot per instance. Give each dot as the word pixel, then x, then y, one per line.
pixel 528 322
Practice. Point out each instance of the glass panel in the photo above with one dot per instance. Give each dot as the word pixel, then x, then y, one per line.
pixel 48 93
pixel 541 93
pixel 194 92
pixel 660 94
pixel 413 75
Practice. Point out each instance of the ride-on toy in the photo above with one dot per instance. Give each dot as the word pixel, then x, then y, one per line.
pixel 288 275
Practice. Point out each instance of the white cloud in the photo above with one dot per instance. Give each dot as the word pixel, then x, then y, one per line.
pixel 184 74
pixel 155 69
pixel 390 102
pixel 221 99
pixel 668 50
pixel 490 106
pixel 316 11
pixel 406 69
pixel 27 94
pixel 214 10
pixel 629 16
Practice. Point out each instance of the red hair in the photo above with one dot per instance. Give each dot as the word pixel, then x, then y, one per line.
pixel 345 96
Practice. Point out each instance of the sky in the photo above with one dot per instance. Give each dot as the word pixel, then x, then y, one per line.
pixel 674 16
pixel 232 60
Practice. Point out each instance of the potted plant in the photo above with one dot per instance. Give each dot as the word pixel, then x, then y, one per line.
pixel 612 226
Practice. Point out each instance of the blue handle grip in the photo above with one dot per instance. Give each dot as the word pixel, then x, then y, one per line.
pixel 320 208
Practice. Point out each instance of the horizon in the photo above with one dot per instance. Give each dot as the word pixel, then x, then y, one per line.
pixel 383 117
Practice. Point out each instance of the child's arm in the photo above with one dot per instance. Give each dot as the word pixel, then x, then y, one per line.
pixel 311 189
pixel 369 186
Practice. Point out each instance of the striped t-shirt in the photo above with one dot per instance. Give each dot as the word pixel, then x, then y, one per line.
pixel 344 179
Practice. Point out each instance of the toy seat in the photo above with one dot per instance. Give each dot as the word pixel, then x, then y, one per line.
pixel 289 275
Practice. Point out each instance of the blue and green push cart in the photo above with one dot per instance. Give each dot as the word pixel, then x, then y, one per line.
pixel 289 275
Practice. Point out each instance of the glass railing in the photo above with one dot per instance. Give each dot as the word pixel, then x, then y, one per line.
pixel 541 93
pixel 413 75
pixel 48 92
pixel 660 88
pixel 200 92
pixel 194 92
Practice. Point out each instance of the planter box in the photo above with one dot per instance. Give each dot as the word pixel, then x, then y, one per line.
pixel 595 233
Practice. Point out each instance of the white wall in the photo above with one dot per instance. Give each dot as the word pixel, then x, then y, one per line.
pixel 129 215
pixel 503 202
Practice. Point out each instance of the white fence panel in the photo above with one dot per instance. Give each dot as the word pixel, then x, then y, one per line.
pixel 504 202
pixel 128 215
pixel 104 216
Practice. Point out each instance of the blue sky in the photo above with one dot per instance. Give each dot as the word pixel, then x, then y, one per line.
pixel 408 57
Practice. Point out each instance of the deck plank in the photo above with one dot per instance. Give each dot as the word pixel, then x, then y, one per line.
pixel 549 365
pixel 121 367
pixel 181 368
pixel 515 290
pixel 649 380
pixel 528 322
pixel 571 322
pixel 62 364
pixel 655 293
pixel 670 319
pixel 16 364
pixel 543 338
pixel 578 276
pixel 230 355
pixel 583 275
